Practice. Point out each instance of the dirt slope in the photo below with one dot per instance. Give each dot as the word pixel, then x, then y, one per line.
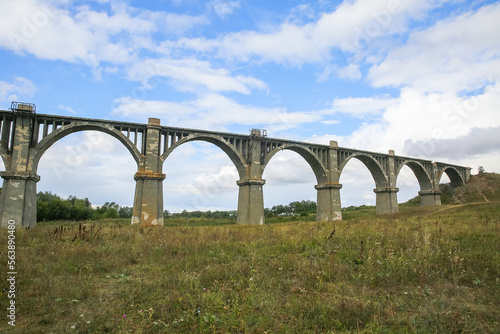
pixel 484 187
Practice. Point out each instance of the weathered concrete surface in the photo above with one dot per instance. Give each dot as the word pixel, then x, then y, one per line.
pixel 386 200
pixel 250 202
pixel 430 197
pixel 18 198
pixel 328 202
pixel 148 201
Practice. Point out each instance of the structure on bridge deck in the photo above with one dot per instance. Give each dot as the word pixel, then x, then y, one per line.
pixel 25 136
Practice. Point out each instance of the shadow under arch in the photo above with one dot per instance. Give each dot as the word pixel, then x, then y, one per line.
pixel 373 166
pixel 66 130
pixel 312 159
pixel 454 176
pixel 235 156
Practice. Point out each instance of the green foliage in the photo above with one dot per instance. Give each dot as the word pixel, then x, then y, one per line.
pixel 51 207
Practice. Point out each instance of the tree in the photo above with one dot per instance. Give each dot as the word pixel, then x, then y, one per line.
pixel 125 212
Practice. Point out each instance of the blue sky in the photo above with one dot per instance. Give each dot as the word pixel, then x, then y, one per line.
pixel 416 76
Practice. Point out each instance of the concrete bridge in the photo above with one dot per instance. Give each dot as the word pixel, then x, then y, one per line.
pixel 25 136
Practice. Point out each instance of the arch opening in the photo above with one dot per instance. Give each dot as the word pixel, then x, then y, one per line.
pixel 357 184
pixel 374 168
pixel 59 134
pixel 89 164
pixel 454 177
pixel 290 178
pixel 200 176
pixel 235 157
pixel 409 185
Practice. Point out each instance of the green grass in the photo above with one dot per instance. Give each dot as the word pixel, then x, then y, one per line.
pixel 423 270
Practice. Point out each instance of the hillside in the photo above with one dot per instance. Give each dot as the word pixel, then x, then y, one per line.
pixel 484 187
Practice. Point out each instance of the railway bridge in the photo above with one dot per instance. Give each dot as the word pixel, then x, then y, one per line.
pixel 25 136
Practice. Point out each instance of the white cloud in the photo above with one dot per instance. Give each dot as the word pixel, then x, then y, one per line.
pixel 212 111
pixel 19 89
pixel 352 25
pixel 191 75
pixel 457 54
pixel 82 34
pixel 362 106
pixel 68 109
pixel 224 8
pixel 350 71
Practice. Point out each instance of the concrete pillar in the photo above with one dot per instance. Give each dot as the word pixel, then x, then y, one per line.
pixel 250 196
pixel 250 202
pixel 386 197
pixel 328 202
pixel 148 200
pixel 328 194
pixel 386 200
pixel 432 196
pixel 18 198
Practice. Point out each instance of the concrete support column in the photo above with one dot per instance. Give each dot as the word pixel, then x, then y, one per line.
pixel 430 197
pixel 328 193
pixel 250 202
pixel 148 200
pixel 18 199
pixel 328 202
pixel 386 200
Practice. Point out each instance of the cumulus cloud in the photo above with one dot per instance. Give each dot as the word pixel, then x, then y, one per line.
pixel 81 34
pixel 212 111
pixel 191 75
pixel 457 54
pixel 349 27
pixel 224 8
pixel 17 89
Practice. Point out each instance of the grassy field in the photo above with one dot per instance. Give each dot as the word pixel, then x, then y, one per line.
pixel 424 270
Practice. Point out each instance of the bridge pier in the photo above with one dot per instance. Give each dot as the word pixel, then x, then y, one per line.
pixel 250 202
pixel 430 197
pixel 148 199
pixel 18 199
pixel 328 202
pixel 386 200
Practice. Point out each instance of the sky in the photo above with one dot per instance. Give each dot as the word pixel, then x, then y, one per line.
pixel 420 77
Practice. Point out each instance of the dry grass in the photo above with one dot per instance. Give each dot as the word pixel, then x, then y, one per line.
pixel 421 271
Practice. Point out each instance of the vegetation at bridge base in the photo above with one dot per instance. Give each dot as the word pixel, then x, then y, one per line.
pixel 424 270
pixel 51 207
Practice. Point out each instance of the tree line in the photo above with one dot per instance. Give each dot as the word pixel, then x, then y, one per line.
pixel 51 207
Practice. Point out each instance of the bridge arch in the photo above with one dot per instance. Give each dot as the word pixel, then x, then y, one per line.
pixel 310 157
pixel 373 166
pixel 423 177
pixel 454 176
pixel 68 129
pixel 235 156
